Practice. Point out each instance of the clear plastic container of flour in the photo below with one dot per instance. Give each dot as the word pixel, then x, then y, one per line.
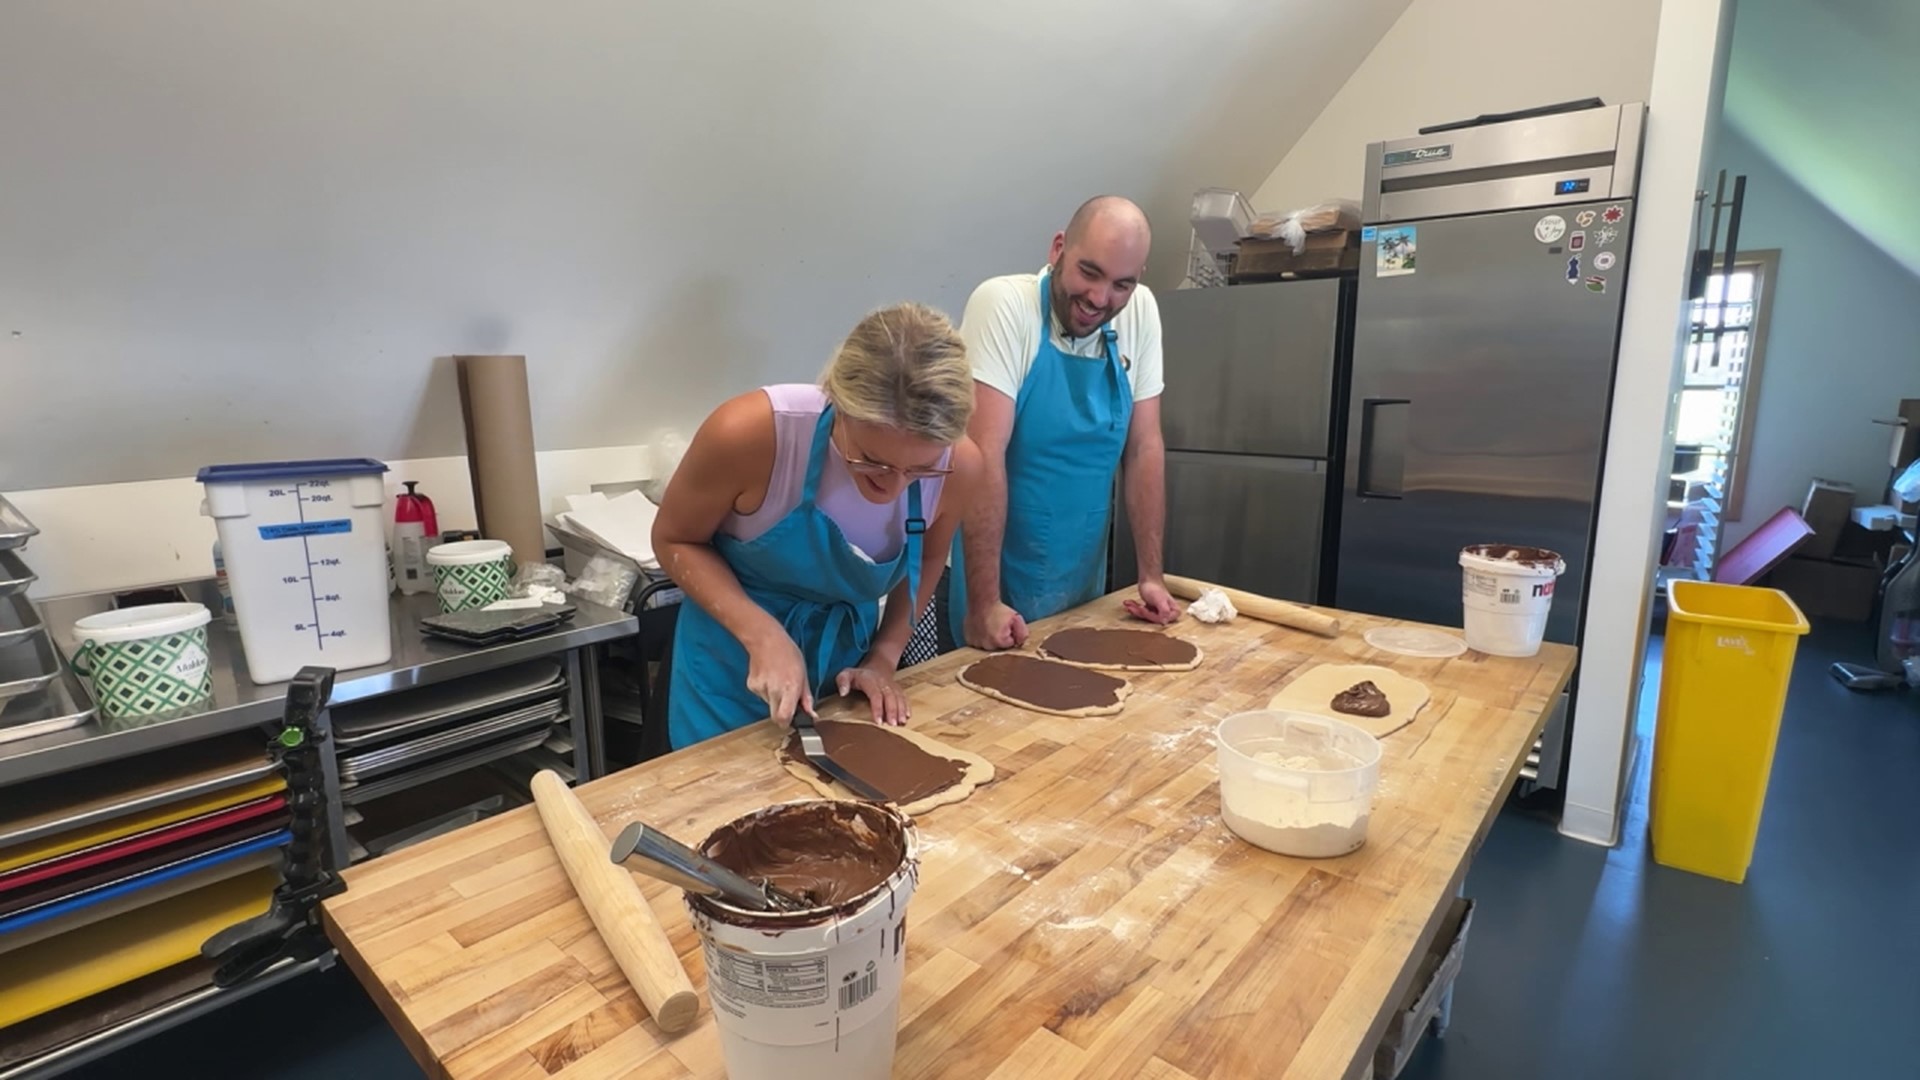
pixel 1297 783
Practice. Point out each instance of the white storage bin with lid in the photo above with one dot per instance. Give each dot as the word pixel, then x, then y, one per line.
pixel 306 554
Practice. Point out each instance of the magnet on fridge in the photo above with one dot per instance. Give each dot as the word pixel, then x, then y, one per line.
pixel 1584 218
pixel 1573 270
pixel 1366 234
pixel 1612 214
pixel 1604 235
pixel 1596 283
pixel 1603 261
pixel 1576 241
pixel 1550 228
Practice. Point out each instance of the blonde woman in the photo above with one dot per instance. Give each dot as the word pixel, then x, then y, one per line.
pixel 796 508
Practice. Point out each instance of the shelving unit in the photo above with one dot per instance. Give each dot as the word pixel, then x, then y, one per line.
pixel 455 747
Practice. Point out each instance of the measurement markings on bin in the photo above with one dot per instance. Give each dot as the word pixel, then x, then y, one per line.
pixel 303 530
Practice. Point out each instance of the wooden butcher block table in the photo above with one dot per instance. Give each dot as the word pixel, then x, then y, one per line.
pixel 1086 914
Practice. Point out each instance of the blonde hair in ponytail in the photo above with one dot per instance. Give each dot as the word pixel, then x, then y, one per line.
pixel 904 367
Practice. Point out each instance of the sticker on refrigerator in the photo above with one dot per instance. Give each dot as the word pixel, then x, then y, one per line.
pixel 1596 283
pixel 1367 233
pixel 1576 241
pixel 1393 255
pixel 1584 218
pixel 1550 228
pixel 1603 261
pixel 1604 235
pixel 1612 214
pixel 1573 270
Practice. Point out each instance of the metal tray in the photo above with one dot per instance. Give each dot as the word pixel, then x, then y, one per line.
pixel 372 763
pixel 29 664
pixel 359 793
pixel 18 620
pixel 14 575
pixel 15 529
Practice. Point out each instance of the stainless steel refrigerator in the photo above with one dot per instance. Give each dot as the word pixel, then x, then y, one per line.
pixel 1493 265
pixel 1251 421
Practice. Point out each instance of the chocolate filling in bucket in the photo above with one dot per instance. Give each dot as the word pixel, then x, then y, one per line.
pixel 834 855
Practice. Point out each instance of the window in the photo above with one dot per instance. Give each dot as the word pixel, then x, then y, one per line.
pixel 1714 425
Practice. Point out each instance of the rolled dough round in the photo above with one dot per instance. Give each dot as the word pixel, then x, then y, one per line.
pixel 978 770
pixel 1313 691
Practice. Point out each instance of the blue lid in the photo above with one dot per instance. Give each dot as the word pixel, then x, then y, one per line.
pixel 281 470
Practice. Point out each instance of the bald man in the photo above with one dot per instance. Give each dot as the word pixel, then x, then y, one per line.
pixel 1067 381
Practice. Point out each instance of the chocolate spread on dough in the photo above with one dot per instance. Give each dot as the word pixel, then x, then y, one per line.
pixel 1362 699
pixel 1119 648
pixel 900 769
pixel 1046 683
pixel 828 853
pixel 1531 557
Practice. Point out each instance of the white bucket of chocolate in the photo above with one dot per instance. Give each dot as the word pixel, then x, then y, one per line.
pixel 1506 591
pixel 816 992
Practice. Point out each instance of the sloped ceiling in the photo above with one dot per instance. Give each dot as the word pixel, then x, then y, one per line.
pixel 1828 90
pixel 233 231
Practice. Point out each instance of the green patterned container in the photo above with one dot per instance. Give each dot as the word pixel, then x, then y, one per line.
pixel 470 574
pixel 146 660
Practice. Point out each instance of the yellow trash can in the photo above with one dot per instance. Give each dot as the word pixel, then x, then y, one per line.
pixel 1723 684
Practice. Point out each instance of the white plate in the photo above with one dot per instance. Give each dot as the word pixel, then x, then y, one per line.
pixel 1413 641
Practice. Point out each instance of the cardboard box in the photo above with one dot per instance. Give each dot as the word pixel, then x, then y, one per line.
pixel 1828 509
pixel 1273 260
pixel 1825 589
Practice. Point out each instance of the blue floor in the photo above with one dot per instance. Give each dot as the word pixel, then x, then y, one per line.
pixel 1582 961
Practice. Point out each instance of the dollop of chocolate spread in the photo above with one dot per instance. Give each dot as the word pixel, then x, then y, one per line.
pixel 1362 699
pixel 904 772
pixel 827 853
pixel 1046 683
pixel 1122 648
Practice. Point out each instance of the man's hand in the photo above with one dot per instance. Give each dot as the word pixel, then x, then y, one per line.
pixel 1155 604
pixel 994 627
pixel 874 679
pixel 777 674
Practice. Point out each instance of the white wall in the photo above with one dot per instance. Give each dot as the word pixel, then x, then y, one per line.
pixel 1454 59
pixel 1689 74
pixel 234 230
pixel 104 537
pixel 1843 343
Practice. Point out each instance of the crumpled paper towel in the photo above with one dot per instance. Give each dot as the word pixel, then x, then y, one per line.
pixel 1212 607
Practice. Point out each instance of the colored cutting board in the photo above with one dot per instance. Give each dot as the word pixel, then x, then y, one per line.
pixel 142 869
pixel 139 842
pixel 56 804
pixel 81 839
pixel 116 906
pixel 65 969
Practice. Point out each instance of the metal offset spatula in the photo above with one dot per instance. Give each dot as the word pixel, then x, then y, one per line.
pixel 660 856
pixel 815 749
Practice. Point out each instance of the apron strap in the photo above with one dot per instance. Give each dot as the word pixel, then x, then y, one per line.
pixel 816 454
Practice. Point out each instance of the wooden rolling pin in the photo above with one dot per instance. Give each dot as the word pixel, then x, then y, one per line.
pixel 616 906
pixel 1264 608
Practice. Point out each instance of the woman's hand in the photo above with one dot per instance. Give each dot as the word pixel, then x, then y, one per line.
pixel 778 675
pixel 874 678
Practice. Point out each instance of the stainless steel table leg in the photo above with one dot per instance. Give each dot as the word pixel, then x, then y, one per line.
pixel 596 719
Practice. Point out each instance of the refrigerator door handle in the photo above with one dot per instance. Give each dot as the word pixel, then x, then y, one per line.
pixel 1382 462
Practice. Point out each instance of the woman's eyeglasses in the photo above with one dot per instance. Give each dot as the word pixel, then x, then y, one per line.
pixel 877 469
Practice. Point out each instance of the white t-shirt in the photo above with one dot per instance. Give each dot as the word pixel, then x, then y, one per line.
pixel 1002 331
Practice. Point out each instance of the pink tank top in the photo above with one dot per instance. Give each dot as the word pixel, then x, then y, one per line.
pixel 877 529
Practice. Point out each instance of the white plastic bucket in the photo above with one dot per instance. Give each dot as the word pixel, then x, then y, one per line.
pixel 146 660
pixel 811 995
pixel 1507 591
pixel 470 574
pixel 306 553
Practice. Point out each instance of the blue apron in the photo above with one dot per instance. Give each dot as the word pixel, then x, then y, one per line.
pixel 1069 427
pixel 813 581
